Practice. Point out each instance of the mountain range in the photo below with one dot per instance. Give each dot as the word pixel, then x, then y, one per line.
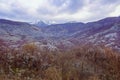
pixel 103 32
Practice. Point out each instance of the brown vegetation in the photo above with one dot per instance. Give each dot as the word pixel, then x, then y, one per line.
pixel 81 63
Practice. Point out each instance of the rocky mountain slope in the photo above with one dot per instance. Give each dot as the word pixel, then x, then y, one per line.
pixel 12 32
pixel 103 32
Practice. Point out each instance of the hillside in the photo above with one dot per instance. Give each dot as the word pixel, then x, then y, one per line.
pixel 103 32
pixel 69 51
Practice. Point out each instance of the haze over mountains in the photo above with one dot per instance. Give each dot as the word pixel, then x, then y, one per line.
pixel 103 32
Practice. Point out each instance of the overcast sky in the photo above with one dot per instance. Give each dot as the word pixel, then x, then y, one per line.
pixel 58 10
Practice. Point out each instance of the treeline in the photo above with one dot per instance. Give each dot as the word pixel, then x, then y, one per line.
pixel 81 63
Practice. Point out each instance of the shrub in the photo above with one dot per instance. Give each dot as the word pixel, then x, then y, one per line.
pixel 81 63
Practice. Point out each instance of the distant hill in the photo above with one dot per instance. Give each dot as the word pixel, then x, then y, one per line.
pixel 103 32
pixel 14 32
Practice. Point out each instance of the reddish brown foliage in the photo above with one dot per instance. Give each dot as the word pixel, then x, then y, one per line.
pixel 81 63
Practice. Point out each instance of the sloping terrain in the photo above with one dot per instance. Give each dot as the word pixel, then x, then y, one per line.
pixel 67 51
pixel 13 32
pixel 103 32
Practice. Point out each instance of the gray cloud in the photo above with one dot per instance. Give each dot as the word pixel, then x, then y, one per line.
pixel 74 5
pixel 102 8
pixel 57 3
pixel 70 6
pixel 58 10
pixel 110 1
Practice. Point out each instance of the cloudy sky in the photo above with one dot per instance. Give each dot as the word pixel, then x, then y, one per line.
pixel 58 10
